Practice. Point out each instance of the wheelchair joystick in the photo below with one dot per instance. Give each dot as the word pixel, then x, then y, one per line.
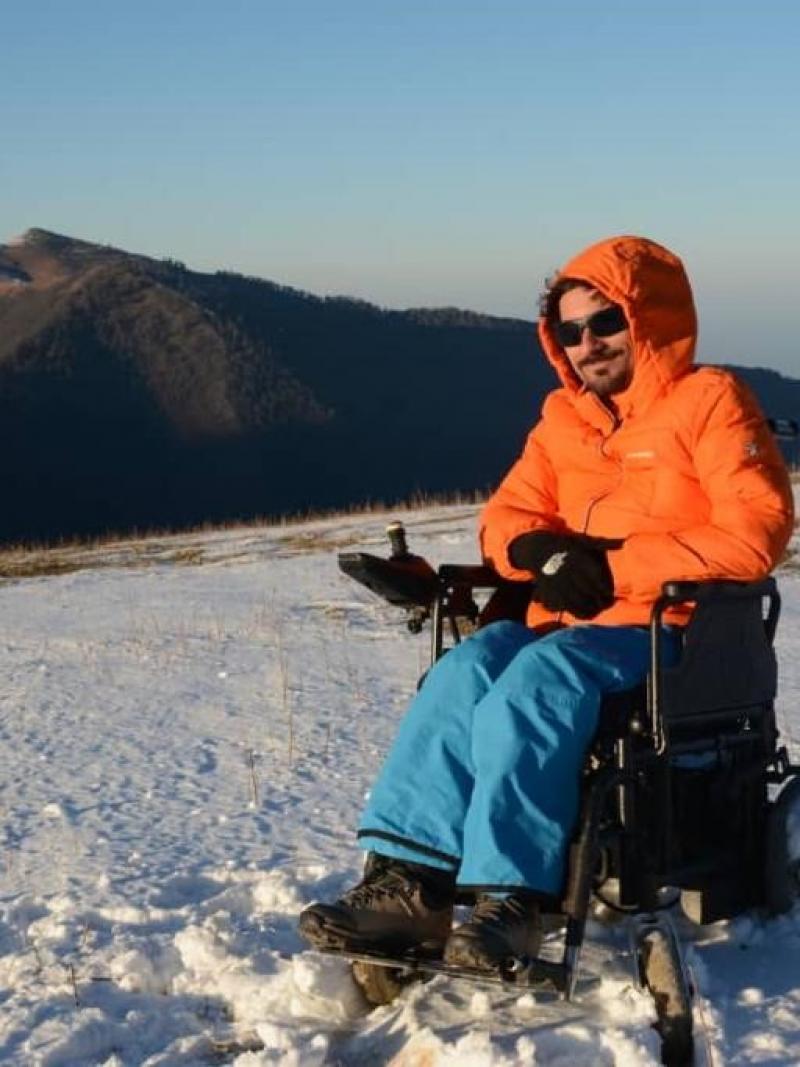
pixel 404 579
pixel 396 532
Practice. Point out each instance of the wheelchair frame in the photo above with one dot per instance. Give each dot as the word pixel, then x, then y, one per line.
pixel 648 737
pixel 691 738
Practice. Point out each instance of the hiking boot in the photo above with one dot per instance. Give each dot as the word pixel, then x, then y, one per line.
pixel 395 907
pixel 500 928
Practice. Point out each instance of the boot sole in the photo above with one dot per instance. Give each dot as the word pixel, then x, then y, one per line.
pixel 325 934
pixel 470 952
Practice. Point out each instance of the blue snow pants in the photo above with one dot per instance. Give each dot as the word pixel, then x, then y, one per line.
pixel 484 774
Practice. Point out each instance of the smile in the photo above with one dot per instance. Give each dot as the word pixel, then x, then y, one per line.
pixel 600 358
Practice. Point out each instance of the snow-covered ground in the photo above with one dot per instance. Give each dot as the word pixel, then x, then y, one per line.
pixel 187 733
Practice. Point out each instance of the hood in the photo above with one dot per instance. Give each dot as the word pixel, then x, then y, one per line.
pixel 649 283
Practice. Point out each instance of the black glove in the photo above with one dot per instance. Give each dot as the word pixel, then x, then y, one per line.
pixel 571 570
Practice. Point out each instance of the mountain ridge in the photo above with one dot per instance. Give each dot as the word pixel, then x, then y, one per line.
pixel 136 392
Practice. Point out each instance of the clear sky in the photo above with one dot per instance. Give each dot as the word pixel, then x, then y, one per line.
pixel 446 152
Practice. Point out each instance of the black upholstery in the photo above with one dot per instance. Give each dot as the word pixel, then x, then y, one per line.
pixel 728 663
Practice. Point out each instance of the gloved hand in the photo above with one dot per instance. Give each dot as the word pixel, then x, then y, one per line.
pixel 571 570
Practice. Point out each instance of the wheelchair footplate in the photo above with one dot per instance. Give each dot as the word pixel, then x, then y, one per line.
pixel 515 973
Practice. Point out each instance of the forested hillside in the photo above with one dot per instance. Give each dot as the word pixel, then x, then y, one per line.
pixel 136 393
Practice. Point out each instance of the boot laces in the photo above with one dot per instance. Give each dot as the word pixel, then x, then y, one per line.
pixel 391 884
pixel 496 911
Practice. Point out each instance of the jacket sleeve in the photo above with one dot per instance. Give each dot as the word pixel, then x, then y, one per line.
pixel 525 500
pixel 751 514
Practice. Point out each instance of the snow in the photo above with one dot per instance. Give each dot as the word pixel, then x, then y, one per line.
pixel 189 729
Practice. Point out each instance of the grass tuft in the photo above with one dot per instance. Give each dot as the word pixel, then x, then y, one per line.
pixel 157 547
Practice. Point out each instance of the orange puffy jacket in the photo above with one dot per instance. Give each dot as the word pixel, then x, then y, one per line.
pixel 687 471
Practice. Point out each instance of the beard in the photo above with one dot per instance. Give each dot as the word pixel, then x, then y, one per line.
pixel 607 374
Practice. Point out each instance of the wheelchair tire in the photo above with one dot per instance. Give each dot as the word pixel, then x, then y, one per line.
pixel 380 985
pixel 782 874
pixel 663 975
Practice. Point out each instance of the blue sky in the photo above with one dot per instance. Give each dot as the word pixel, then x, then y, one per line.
pixel 419 153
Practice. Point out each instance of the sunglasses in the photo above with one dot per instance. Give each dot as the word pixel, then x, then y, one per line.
pixel 602 323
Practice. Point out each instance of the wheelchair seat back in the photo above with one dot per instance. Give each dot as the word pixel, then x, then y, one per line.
pixel 727 673
pixel 689 811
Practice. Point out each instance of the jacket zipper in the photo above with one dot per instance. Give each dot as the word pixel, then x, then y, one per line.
pixel 615 425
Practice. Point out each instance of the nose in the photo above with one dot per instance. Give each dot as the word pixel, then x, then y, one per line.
pixel 588 343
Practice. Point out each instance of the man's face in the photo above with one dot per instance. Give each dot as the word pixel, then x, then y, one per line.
pixel 603 364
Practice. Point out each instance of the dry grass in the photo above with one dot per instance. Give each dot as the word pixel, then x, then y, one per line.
pixel 316 540
pixel 31 565
pixel 149 548
pixel 17 563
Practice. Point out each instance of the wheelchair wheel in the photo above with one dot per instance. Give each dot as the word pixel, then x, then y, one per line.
pixel 380 985
pixel 663 975
pixel 782 873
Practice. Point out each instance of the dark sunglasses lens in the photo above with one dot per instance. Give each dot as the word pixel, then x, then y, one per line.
pixel 602 324
pixel 568 334
pixel 609 320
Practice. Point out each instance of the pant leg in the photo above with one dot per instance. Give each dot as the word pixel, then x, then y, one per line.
pixel 419 802
pixel 530 735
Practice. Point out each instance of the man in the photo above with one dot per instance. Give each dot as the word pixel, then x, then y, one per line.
pixel 642 468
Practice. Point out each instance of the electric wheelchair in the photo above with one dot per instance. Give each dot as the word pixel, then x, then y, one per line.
pixel 686 793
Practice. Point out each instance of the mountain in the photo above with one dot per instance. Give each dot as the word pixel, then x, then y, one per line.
pixel 136 393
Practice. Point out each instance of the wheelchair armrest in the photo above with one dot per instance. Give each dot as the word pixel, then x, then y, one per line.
pixel 458 581
pixel 681 592
pixel 476 576
pixel 509 600
pixel 713 592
